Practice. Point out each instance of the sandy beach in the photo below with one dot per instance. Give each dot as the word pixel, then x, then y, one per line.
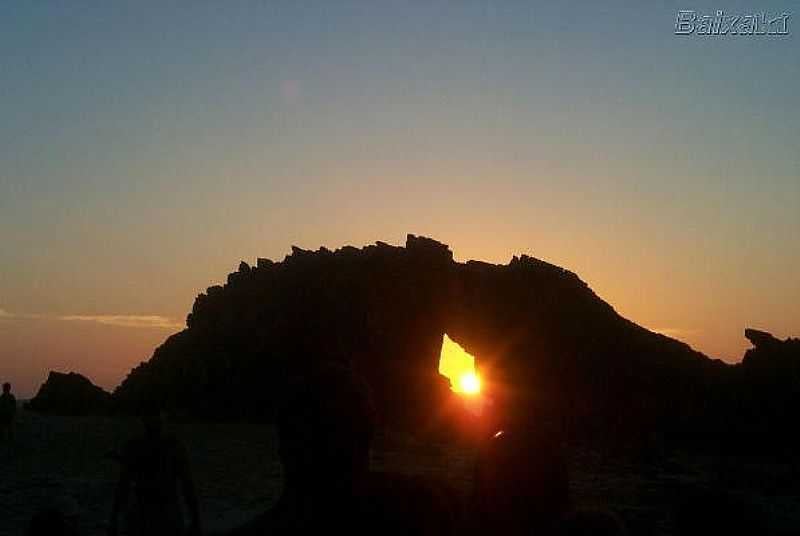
pixel 62 461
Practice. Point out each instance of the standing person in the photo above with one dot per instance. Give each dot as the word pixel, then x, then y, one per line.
pixel 325 424
pixel 156 466
pixel 8 410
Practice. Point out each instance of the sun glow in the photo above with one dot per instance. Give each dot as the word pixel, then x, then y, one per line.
pixel 470 383
pixel 459 367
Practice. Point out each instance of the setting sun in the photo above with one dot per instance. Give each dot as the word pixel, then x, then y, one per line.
pixel 470 383
pixel 459 367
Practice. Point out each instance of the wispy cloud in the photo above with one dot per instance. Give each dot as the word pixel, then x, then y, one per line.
pixel 127 321
pixel 8 315
pixel 674 332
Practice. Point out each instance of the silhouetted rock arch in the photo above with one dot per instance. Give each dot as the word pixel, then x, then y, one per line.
pixel 543 338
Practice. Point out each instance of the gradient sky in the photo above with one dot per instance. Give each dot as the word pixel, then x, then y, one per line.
pixel 146 150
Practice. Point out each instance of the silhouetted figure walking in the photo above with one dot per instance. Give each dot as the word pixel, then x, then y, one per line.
pixel 156 466
pixel 8 411
pixel 325 426
pixel 521 484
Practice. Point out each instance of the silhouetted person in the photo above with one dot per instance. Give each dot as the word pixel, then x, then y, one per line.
pixel 521 484
pixel 156 466
pixel 8 410
pixel 325 425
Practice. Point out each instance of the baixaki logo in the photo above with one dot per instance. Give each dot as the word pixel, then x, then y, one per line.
pixel 691 23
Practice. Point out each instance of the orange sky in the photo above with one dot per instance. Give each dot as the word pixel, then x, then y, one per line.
pixel 708 310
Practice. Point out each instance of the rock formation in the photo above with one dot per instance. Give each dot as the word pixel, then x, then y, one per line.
pixel 70 394
pixel 768 393
pixel 546 346
pixel 380 309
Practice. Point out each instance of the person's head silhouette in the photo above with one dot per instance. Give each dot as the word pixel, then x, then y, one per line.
pixel 325 425
pixel 6 387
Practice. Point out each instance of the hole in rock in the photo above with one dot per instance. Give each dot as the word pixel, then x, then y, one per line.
pixel 458 366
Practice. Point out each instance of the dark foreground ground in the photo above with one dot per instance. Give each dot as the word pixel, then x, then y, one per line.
pixel 60 461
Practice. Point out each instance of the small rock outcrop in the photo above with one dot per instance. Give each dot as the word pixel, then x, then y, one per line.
pixel 769 352
pixel 70 394
pixel 768 394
